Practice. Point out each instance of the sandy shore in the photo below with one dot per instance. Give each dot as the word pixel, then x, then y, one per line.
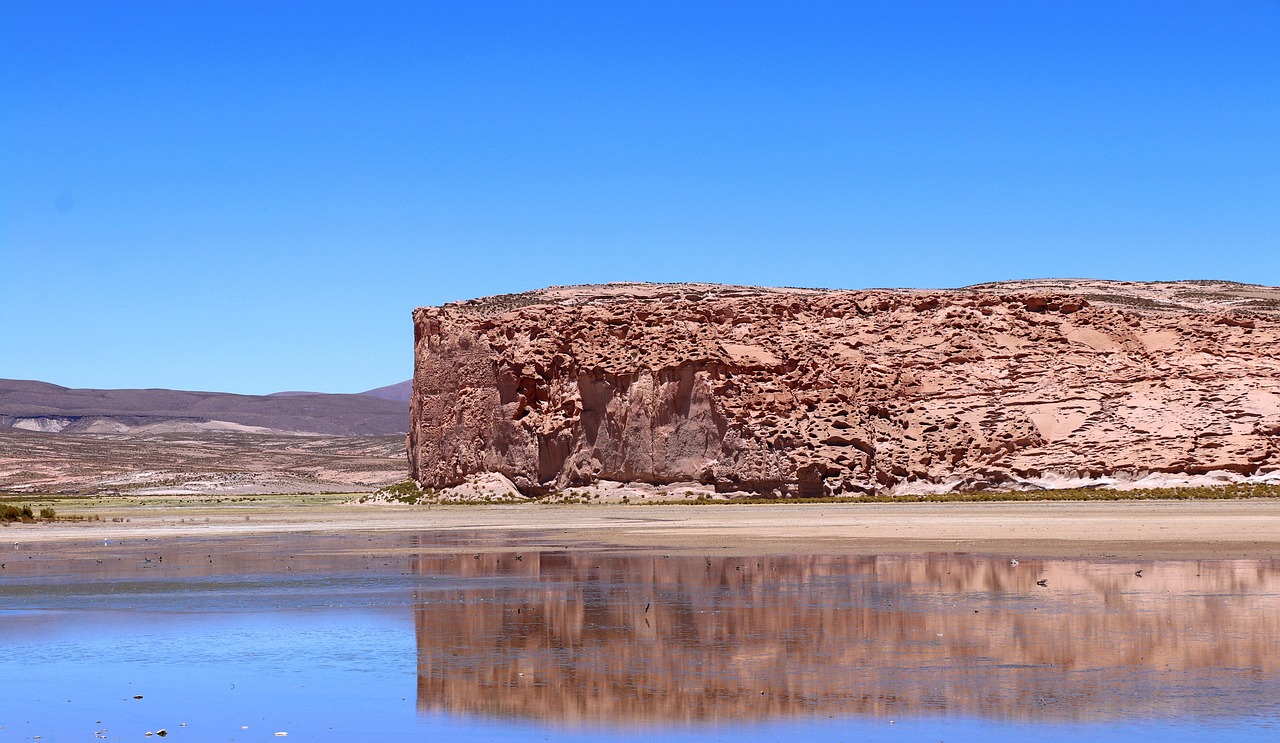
pixel 1139 529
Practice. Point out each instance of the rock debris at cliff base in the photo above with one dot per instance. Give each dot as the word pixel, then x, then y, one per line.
pixel 799 392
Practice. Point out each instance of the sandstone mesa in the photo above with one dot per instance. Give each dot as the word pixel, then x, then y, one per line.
pixel 820 392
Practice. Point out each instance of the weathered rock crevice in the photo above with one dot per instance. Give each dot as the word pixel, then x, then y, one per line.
pixel 806 392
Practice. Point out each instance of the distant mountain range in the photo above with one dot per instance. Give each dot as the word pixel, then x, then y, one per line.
pixel 40 406
pixel 400 392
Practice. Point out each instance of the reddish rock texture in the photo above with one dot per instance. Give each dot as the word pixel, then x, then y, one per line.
pixel 810 392
pixel 555 636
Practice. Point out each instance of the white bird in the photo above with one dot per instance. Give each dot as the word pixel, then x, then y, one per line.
pixel 1014 562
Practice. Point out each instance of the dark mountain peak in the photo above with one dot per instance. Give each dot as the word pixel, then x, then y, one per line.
pixel 399 392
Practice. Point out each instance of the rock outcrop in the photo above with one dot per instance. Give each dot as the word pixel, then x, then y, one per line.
pixel 815 392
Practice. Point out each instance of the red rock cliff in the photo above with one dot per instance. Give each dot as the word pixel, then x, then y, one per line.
pixel 811 392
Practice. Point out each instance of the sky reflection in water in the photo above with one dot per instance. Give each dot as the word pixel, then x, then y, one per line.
pixel 386 641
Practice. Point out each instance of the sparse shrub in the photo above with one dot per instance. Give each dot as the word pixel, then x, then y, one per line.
pixel 15 513
pixel 402 492
pixel 47 513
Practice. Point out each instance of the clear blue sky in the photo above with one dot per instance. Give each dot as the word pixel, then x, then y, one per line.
pixel 253 196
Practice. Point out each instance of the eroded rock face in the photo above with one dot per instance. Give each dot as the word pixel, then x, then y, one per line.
pixel 807 392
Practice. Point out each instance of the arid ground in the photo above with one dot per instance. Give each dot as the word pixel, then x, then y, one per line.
pixel 198 463
pixel 1248 528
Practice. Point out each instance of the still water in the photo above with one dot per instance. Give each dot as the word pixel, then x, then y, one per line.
pixel 399 637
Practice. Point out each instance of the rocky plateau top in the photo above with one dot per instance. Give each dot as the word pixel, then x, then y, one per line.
pixel 1029 384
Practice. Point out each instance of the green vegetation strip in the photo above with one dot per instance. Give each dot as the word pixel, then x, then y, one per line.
pixel 409 493
pixel 10 513
pixel 1224 492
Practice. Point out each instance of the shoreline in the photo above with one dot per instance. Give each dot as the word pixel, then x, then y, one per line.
pixel 1153 530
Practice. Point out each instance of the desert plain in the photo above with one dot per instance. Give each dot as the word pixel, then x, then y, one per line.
pixel 633 506
pixel 735 392
pixel 1153 530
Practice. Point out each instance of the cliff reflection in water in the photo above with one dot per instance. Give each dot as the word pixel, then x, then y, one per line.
pixel 582 638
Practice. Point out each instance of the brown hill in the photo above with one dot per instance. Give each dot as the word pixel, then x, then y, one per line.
pixel 792 391
pixel 400 391
pixel 40 406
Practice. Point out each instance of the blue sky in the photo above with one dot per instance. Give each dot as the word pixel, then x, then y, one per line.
pixel 253 196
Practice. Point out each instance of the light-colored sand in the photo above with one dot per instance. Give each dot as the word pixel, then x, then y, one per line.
pixel 1150 529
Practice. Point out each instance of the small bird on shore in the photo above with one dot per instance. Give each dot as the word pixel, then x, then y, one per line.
pixel 1138 572
pixel 1043 582
pixel 1013 562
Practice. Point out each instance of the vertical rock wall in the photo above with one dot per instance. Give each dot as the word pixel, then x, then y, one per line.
pixel 799 392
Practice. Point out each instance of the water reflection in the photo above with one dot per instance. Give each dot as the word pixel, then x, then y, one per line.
pixel 607 638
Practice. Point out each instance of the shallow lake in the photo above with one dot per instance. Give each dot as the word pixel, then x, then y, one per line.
pixel 398 637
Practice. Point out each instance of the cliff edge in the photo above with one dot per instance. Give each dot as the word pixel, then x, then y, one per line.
pixel 817 392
